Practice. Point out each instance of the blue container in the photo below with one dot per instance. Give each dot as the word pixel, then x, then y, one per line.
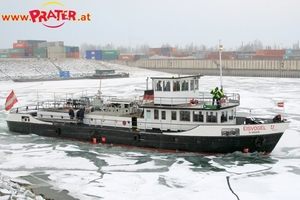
pixel 109 57
pixel 165 49
pixel 68 49
pixel 94 54
pixel 288 51
pixel 64 74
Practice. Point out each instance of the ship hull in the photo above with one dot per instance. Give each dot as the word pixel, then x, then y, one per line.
pixel 150 140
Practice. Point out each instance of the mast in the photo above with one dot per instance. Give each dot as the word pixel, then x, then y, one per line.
pixel 220 56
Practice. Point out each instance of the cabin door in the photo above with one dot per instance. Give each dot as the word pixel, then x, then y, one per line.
pixel 134 122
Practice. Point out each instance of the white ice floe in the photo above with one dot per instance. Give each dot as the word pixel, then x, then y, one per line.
pixel 9 189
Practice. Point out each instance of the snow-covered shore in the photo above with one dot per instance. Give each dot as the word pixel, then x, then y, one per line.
pixel 14 189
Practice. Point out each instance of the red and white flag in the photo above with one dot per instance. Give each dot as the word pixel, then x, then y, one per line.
pixel 10 100
pixel 280 104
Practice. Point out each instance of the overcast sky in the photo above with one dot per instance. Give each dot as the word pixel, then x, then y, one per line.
pixel 154 22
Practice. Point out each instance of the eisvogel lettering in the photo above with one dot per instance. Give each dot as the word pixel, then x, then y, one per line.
pixel 254 128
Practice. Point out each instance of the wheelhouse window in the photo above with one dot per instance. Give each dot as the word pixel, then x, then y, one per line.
pixel 156 114
pixel 163 115
pixel 184 85
pixel 197 116
pixel 232 115
pixel 176 86
pixel 192 85
pixel 167 85
pixel 158 85
pixel 185 116
pixel 196 84
pixel 211 116
pixel 148 114
pixel 224 116
pixel 174 115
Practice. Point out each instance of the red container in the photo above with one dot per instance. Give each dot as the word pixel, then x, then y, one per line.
pixel 16 55
pixel 69 55
pixel 74 54
pixel 275 52
pixel 28 50
pixel 125 57
pixel 260 52
pixel 257 57
pixel 20 45
pixel 181 55
pixel 217 56
pixel 273 57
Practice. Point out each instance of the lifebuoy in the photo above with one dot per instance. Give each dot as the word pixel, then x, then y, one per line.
pixel 124 123
pixel 136 138
pixel 193 102
pixel 259 142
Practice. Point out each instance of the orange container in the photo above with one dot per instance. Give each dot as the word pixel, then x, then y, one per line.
pixel 125 57
pixel 21 55
pixel 260 52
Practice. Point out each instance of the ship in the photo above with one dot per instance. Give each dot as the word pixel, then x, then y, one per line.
pixel 65 75
pixel 171 114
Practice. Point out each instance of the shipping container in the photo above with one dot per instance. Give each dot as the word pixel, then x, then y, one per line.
pixel 260 52
pixel 291 56
pixel 28 50
pixel 37 50
pixel 51 44
pixel 275 52
pixel 155 50
pixel 74 49
pixel 20 45
pixel 40 55
pixel 27 55
pixel 165 49
pixel 56 54
pixel 125 57
pixel 16 51
pixel 68 49
pixel 4 55
pixel 4 50
pixel 217 56
pixel 31 41
pixel 152 53
pixel 94 54
pixel 110 53
pixel 74 54
pixel 199 56
pixel 56 49
pixel 293 51
pixel 244 56
pixel 109 57
pixel 267 57
pixel 14 55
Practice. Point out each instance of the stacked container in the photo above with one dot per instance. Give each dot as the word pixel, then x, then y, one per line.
pixel 40 52
pixel 94 54
pixel 4 53
pixel 110 54
pixel 292 54
pixel 56 52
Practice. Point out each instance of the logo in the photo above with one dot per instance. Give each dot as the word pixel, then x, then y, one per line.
pixel 52 14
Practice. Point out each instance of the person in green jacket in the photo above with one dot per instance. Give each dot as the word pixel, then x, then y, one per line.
pixel 215 95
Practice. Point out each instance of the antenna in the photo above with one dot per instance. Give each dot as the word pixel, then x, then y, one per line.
pixel 220 55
